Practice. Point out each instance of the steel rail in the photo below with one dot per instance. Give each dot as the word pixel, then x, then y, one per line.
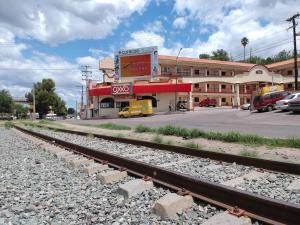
pixel 258 207
pixel 272 165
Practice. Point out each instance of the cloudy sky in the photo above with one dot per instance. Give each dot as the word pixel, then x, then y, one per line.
pixel 53 38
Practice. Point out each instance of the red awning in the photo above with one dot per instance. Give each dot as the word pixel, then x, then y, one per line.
pixel 144 88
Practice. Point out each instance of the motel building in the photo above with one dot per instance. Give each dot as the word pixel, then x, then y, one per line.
pixel 230 83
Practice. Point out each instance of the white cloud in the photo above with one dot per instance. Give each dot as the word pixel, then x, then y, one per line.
pixel 180 22
pixel 155 26
pixel 143 39
pixel 263 22
pixel 18 73
pixel 58 21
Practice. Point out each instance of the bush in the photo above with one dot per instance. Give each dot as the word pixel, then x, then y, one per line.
pixel 157 139
pixel 8 124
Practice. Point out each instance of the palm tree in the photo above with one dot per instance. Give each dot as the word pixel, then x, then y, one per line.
pixel 244 42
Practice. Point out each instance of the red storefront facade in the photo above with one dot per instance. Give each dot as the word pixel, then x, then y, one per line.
pixel 107 100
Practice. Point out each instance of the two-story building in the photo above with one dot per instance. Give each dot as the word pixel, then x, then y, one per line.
pixel 230 83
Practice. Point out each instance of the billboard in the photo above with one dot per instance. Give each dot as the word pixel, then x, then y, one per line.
pixel 140 62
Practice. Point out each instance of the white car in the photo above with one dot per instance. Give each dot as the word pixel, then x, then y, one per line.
pixel 284 103
pixel 246 106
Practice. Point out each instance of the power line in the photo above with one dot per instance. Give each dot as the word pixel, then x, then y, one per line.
pixel 292 19
pixel 266 47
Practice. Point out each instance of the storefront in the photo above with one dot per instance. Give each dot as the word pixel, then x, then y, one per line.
pixel 108 100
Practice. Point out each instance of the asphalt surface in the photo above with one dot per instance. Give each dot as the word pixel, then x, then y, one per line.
pixel 269 124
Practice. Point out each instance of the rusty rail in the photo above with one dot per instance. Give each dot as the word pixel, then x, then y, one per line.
pixel 258 207
pixel 278 166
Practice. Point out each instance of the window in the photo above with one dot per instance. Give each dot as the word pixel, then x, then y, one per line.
pixel 107 103
pixel 184 71
pixel 165 69
pixel 290 85
pixel 290 72
pixel 223 99
pixel 196 72
pixel 196 85
pixel 259 72
pixel 207 85
pixel 223 86
pixel 196 99
pixel 207 72
pixel 223 73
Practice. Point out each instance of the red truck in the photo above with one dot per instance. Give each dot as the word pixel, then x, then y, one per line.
pixel 208 102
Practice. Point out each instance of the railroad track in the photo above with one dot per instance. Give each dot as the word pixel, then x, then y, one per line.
pixel 170 174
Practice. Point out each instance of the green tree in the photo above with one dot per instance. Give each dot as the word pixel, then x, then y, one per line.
pixel 244 42
pixel 21 111
pixel 71 110
pixel 283 55
pixel 45 97
pixel 6 102
pixel 256 60
pixel 220 54
pixel 204 56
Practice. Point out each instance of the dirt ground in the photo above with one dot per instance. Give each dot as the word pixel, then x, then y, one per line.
pixel 264 152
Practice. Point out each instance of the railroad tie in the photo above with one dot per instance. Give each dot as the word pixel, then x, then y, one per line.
pixel 134 187
pixel 169 205
pixel 225 218
pixel 111 176
pixel 94 168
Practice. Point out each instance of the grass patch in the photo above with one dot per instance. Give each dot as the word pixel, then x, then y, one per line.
pixel 8 124
pixel 247 153
pixel 113 126
pixel 233 136
pixel 192 144
pixel 141 129
pixel 109 126
pixel 169 142
pixel 157 139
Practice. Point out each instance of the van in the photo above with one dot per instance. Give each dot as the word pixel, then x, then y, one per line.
pixel 137 108
pixel 267 102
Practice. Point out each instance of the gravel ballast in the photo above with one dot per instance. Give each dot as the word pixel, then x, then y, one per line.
pixel 199 167
pixel 36 188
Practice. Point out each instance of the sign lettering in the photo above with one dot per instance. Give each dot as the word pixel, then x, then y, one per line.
pixel 121 89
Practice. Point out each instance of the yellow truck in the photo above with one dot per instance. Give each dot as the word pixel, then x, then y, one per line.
pixel 137 108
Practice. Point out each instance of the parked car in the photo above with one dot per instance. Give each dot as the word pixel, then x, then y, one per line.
pixel 208 102
pixel 294 105
pixel 245 106
pixel 284 103
pixel 267 102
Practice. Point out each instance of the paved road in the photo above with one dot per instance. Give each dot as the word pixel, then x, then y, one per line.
pixel 269 124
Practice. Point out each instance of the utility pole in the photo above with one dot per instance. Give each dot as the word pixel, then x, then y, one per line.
pixel 86 75
pixel 292 19
pixel 81 103
pixel 176 89
pixel 33 96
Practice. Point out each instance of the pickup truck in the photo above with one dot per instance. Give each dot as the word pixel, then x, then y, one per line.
pixel 208 102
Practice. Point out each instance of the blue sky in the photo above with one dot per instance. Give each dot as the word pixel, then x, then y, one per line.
pixel 54 38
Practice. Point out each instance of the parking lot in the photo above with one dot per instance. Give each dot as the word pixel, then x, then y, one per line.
pixel 269 124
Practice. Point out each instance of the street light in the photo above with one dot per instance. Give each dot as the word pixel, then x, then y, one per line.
pixel 175 106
